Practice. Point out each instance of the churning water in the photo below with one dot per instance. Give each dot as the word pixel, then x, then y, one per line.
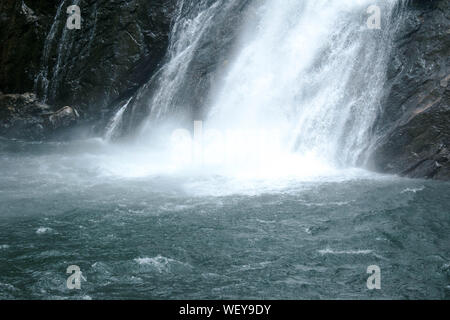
pixel 263 201
pixel 174 236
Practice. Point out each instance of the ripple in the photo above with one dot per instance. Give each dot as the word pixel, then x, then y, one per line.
pixel 327 204
pixel 7 287
pixel 43 230
pixel 413 190
pixel 254 266
pixel 161 264
pixel 350 252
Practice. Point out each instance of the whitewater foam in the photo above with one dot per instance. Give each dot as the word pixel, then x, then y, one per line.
pixel 161 264
pixel 43 230
pixel 413 190
pixel 343 252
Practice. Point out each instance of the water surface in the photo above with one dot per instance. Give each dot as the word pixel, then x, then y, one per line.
pixel 173 236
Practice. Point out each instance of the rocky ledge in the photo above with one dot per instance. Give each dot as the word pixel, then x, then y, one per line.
pixel 22 116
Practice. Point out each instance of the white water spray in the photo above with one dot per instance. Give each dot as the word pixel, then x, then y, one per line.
pixel 313 72
pixel 300 94
pixel 116 121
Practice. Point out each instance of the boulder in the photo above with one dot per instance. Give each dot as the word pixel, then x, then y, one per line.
pixel 64 118
pixel 22 116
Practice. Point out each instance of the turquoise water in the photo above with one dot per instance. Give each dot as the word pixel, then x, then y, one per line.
pixel 172 236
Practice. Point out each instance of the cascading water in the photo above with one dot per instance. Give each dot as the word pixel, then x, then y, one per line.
pixel 312 71
pixel 48 80
pixel 41 82
pixel 301 91
pixel 193 20
pixel 116 121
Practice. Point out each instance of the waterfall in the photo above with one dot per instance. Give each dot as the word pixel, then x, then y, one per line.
pixel 64 49
pixel 191 21
pixel 41 82
pixel 312 71
pixel 300 92
pixel 115 123
pixel 48 80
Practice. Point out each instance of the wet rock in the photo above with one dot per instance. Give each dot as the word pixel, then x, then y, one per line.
pixel 414 127
pixel 22 116
pixel 28 13
pixel 64 117
pixel 118 48
pixel 23 28
pixel 212 50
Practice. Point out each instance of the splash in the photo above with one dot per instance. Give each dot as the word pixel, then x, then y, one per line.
pixel 116 121
pixel 298 98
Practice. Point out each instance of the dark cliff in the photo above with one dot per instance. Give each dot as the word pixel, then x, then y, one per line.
pixel 117 49
pixel 414 126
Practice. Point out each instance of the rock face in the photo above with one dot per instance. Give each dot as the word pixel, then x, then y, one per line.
pixel 23 30
pixel 193 67
pixel 22 116
pixel 415 123
pixel 117 49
